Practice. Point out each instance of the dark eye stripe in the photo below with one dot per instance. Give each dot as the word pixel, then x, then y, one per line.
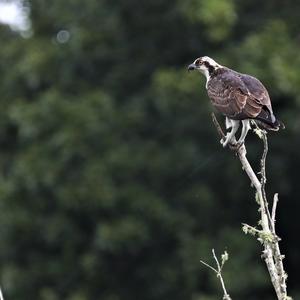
pixel 206 63
pixel 209 67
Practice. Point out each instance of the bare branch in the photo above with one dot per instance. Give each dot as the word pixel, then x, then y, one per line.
pixel 267 236
pixel 226 295
pixel 218 271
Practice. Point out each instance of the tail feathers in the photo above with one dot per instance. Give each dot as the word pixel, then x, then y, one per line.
pixel 267 120
pixel 271 126
pixel 278 124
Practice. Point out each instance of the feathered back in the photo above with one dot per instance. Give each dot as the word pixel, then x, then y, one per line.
pixel 239 96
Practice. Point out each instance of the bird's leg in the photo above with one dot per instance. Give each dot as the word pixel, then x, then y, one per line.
pixel 245 129
pixel 230 136
pixel 228 123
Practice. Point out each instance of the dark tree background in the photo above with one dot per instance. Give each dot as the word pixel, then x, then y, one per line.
pixel 113 184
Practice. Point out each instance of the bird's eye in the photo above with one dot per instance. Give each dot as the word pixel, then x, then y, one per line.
pixel 198 62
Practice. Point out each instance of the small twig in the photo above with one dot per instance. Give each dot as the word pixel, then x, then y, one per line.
pixel 263 179
pixel 217 261
pixel 209 266
pixel 263 135
pixel 218 271
pixel 274 207
pixel 250 229
pixel 216 123
pixel 219 275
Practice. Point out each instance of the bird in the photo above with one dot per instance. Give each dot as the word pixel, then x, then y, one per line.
pixel 239 97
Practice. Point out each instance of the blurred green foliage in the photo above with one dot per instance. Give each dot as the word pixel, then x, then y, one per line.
pixel 113 184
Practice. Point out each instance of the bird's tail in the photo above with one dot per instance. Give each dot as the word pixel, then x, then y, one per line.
pixel 279 124
pixel 271 126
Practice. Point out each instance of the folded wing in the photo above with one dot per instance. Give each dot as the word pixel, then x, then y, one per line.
pixel 240 96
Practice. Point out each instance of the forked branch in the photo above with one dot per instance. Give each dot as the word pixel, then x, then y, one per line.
pixel 218 271
pixel 266 235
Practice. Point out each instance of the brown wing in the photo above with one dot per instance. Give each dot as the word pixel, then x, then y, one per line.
pixel 228 93
pixel 258 95
pixel 239 96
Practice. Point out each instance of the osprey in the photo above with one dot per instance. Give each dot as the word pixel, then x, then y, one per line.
pixel 239 97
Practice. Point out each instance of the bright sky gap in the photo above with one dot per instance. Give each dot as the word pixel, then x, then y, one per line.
pixel 15 15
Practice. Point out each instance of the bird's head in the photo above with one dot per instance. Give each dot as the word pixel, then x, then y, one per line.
pixel 205 65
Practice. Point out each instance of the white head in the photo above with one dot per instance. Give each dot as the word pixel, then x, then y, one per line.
pixel 205 65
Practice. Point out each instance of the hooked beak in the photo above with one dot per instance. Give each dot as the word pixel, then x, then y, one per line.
pixel 191 67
